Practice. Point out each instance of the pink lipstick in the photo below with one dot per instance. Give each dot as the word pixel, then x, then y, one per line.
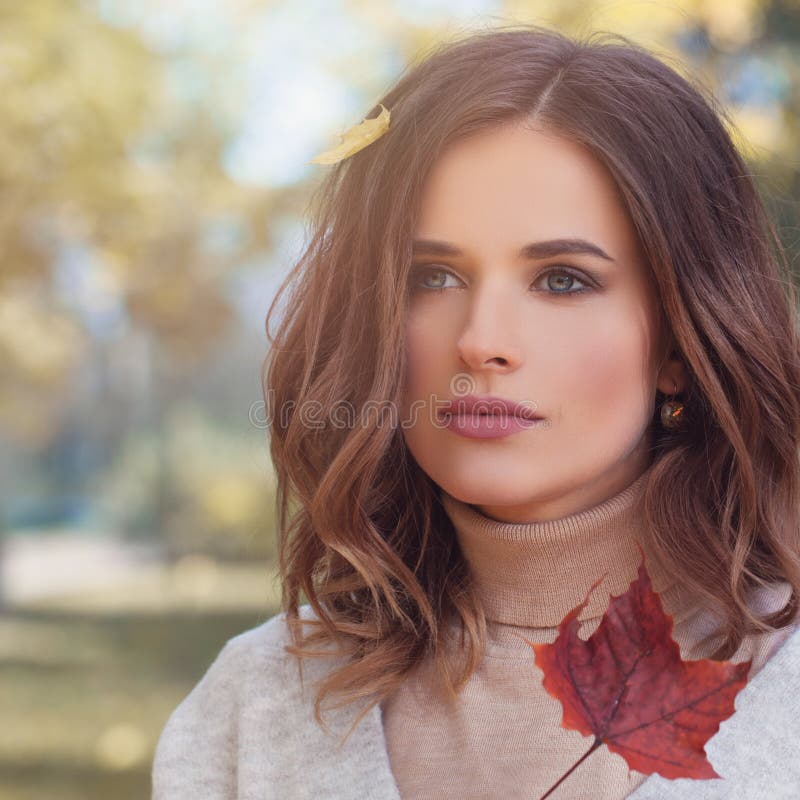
pixel 488 416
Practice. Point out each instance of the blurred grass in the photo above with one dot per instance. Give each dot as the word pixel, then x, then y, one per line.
pixel 86 693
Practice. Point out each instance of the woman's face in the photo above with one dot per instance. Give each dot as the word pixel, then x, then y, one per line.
pixel 494 320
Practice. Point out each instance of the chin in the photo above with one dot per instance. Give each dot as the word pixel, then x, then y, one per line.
pixel 492 493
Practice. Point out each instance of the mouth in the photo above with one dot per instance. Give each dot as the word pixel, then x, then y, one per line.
pixel 445 415
pixel 484 406
pixel 526 415
pixel 487 424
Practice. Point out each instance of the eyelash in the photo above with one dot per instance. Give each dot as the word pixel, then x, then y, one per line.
pixel 422 269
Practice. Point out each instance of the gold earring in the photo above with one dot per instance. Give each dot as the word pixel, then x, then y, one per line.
pixel 672 411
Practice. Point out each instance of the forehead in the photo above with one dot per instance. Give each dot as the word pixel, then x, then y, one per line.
pixel 501 188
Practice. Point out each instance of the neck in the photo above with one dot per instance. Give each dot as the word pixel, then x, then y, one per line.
pixel 533 573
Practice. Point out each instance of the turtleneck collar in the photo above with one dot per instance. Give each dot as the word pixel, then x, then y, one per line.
pixel 532 574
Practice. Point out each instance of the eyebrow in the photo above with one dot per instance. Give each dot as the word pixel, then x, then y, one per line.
pixel 543 249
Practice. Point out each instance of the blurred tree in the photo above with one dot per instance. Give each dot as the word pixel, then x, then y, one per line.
pixel 111 181
pixel 96 153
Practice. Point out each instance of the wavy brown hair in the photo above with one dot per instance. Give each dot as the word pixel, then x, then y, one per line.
pixel 362 532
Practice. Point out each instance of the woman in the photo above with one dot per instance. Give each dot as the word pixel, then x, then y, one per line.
pixel 566 226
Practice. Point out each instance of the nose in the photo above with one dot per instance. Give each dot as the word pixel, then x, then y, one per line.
pixel 489 340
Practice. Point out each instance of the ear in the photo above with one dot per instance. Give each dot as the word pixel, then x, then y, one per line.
pixel 673 377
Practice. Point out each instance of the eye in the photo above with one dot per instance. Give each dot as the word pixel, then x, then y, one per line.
pixel 570 276
pixel 567 279
pixel 422 271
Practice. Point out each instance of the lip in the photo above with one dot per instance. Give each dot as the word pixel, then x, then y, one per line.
pixel 489 426
pixel 488 416
pixel 472 404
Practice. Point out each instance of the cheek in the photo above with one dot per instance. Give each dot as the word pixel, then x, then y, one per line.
pixel 606 375
pixel 426 356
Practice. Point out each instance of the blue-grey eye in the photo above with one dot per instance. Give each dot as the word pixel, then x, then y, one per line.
pixel 565 280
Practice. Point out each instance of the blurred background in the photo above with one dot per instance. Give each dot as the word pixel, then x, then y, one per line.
pixel 153 161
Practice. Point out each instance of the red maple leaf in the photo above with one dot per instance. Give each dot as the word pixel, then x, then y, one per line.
pixel 627 686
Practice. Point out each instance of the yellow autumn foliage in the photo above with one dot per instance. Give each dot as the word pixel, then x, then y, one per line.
pixel 356 138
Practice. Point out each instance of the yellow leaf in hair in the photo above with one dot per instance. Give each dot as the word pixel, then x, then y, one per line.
pixel 355 138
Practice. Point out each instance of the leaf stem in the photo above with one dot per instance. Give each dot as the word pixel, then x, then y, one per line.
pixel 595 745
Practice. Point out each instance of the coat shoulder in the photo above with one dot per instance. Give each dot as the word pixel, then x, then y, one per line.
pixel 196 751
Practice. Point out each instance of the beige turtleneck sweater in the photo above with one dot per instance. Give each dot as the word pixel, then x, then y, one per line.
pixel 503 738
